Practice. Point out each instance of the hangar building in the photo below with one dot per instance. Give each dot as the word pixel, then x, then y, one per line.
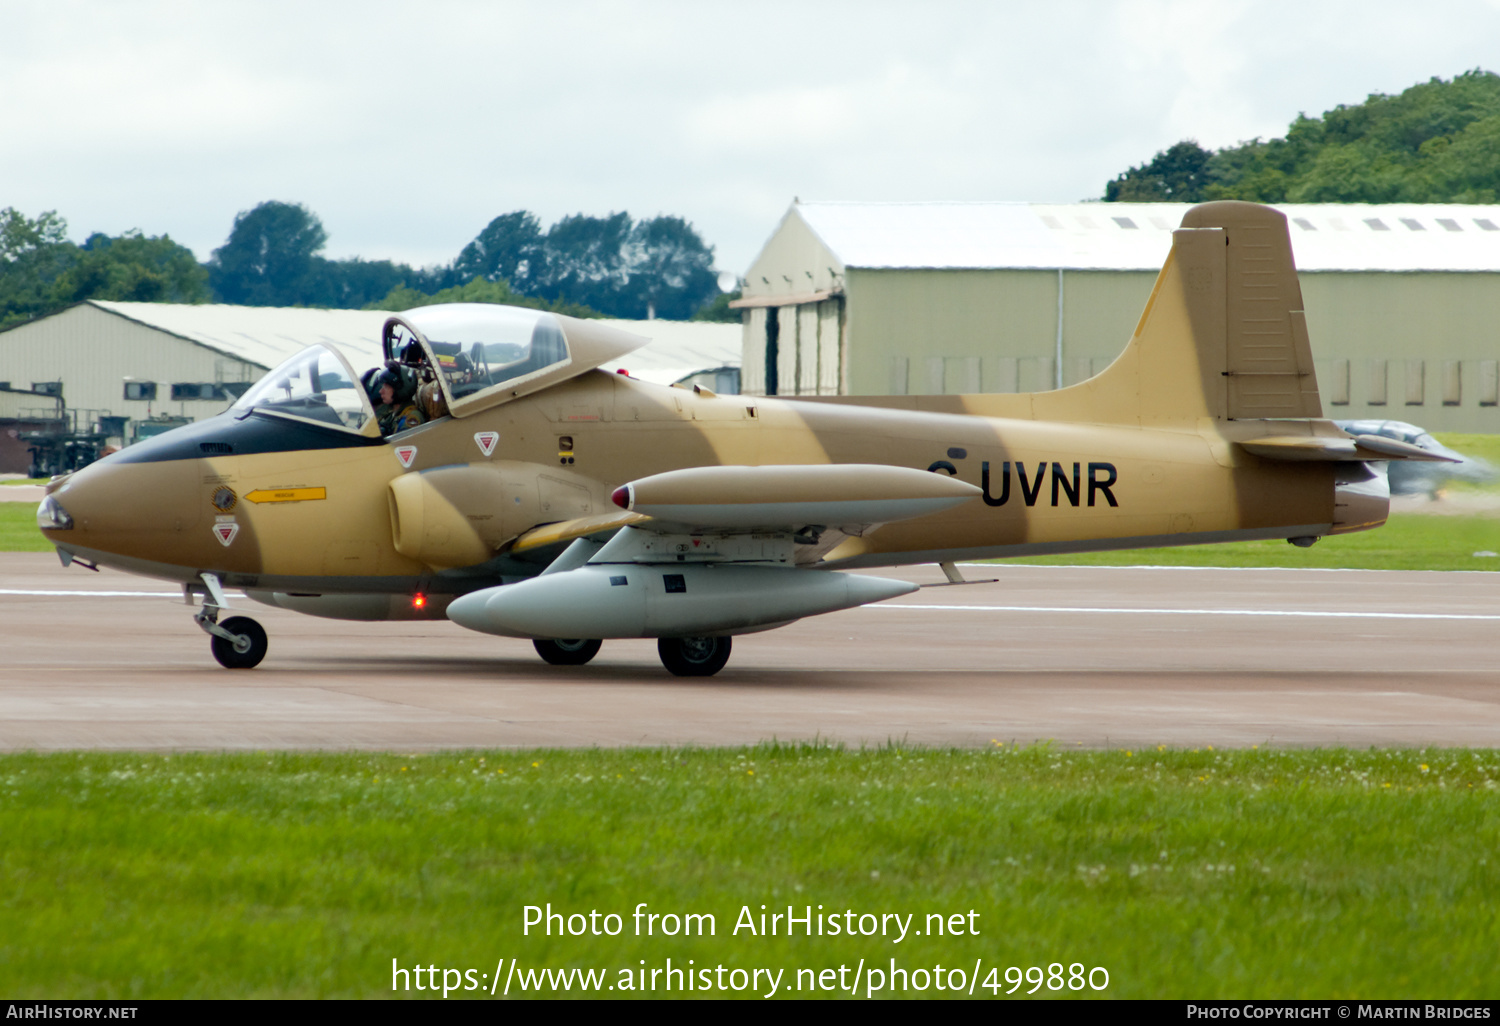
pixel 931 298
pixel 135 362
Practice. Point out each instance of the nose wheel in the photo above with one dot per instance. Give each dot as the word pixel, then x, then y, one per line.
pixel 247 648
pixel 238 643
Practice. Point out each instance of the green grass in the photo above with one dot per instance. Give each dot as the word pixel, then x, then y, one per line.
pixel 1484 447
pixel 1260 873
pixel 1408 541
pixel 18 531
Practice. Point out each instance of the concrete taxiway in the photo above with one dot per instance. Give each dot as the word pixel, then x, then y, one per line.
pixel 1082 656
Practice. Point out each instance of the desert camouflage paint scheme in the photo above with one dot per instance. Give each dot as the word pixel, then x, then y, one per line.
pixel 553 500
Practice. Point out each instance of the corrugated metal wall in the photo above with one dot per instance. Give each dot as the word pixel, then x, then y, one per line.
pixel 933 332
pixel 1422 347
pixel 93 352
pixel 809 348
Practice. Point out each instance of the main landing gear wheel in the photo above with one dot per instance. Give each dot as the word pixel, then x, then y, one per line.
pixel 693 657
pixel 247 651
pixel 568 651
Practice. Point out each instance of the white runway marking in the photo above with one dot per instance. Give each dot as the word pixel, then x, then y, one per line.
pixel 1214 569
pixel 1193 612
pixel 94 594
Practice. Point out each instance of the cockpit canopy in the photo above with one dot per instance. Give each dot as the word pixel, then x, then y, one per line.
pixel 484 354
pixel 479 355
pixel 476 348
pixel 316 384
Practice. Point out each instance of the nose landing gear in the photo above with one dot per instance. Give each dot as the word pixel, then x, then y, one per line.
pixel 247 648
pixel 238 643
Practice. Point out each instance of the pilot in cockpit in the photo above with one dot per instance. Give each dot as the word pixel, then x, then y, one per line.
pixel 428 397
pixel 393 390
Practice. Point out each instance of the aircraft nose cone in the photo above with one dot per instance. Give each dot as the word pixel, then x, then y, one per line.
pixel 127 508
pixel 70 506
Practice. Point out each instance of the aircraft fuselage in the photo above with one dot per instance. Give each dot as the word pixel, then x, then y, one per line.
pixel 315 516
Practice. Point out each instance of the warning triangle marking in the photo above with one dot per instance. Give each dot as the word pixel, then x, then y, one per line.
pixel 486 441
pixel 406 453
pixel 226 532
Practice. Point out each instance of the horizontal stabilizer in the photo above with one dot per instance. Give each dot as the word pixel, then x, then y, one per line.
pixel 790 497
pixel 1359 447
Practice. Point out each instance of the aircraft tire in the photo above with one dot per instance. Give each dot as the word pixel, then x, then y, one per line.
pixel 694 657
pixel 568 651
pixel 224 651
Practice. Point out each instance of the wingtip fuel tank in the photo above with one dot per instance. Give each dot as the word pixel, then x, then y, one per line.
pixel 788 497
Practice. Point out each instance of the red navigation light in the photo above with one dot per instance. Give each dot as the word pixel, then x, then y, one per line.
pixel 418 600
pixel 621 496
pixel 622 370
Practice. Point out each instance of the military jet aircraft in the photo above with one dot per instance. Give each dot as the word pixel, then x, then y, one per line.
pixel 538 496
pixel 1422 477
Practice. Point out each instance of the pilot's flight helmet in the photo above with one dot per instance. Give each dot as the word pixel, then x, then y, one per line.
pixel 370 380
pixel 401 380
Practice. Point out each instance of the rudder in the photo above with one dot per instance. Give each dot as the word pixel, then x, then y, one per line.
pixel 1268 359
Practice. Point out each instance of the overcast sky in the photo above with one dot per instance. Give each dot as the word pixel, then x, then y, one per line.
pixel 407 126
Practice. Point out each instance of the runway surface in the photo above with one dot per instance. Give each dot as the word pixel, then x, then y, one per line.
pixel 1096 657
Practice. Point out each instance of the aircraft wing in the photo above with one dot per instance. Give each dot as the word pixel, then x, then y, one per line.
pixel 570 530
pixel 710 551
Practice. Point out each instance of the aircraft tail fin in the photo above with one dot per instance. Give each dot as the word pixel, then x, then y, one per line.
pixel 1223 335
pixel 1268 366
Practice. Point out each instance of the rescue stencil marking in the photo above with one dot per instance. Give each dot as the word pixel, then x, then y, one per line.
pixel 286 495
pixel 486 441
pixel 225 533
pixel 405 454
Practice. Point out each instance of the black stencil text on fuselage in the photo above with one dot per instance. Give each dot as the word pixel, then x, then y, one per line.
pixel 1071 487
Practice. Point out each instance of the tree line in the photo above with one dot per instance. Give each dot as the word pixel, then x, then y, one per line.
pixel 1436 142
pixel 611 266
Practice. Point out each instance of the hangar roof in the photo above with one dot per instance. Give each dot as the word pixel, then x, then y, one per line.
pixel 1137 236
pixel 678 349
pixel 263 335
pixel 266 335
